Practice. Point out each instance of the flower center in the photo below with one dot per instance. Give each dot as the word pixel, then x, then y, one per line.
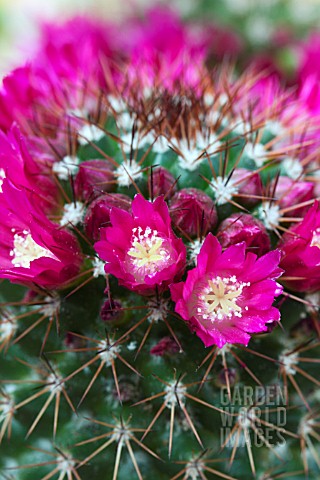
pixel 218 299
pixel 315 242
pixel 25 250
pixel 149 253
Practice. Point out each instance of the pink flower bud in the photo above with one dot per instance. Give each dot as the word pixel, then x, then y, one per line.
pixel 93 178
pixel 244 228
pixel 111 310
pixel 72 341
pixel 290 192
pixel 248 184
pixel 193 212
pixel 161 182
pixel 166 346
pixel 301 253
pixel 98 213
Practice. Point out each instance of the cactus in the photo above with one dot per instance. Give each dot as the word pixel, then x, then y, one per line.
pixel 159 264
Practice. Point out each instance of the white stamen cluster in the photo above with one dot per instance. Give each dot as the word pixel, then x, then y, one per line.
pixel 189 156
pixel 175 393
pixel 288 361
pixel 246 417
pixel 218 300
pixel 242 127
pixel 98 268
pixel 314 300
pixel 160 145
pixel 223 189
pixel 55 382
pixel 223 350
pixel 306 426
pixel 8 327
pixel 73 214
pixel 157 310
pixel 6 407
pixel 107 352
pixel 256 152
pixel 2 177
pixel 194 468
pixel 207 141
pixel 135 142
pixel 117 103
pixel 194 250
pixel 274 127
pixel 293 168
pixel 125 121
pixel 51 306
pixel 315 242
pixel 65 464
pixel 269 214
pixel 67 166
pixel 147 249
pixel 121 433
pixel 89 133
pixel 128 172
pixel 25 250
pixel 132 346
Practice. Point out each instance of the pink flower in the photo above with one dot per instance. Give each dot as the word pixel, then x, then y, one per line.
pixel 54 81
pixel 33 250
pixel 24 171
pixel 163 50
pixel 141 249
pixel 229 295
pixel 301 253
pixel 309 61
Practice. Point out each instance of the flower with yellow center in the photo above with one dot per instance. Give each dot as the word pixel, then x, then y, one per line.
pixel 221 297
pixel 218 299
pixel 25 250
pixel 148 254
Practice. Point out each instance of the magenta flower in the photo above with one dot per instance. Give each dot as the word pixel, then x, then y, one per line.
pixel 229 295
pixel 17 164
pixel 141 249
pixel 53 82
pixel 33 250
pixel 301 253
pixel 163 50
